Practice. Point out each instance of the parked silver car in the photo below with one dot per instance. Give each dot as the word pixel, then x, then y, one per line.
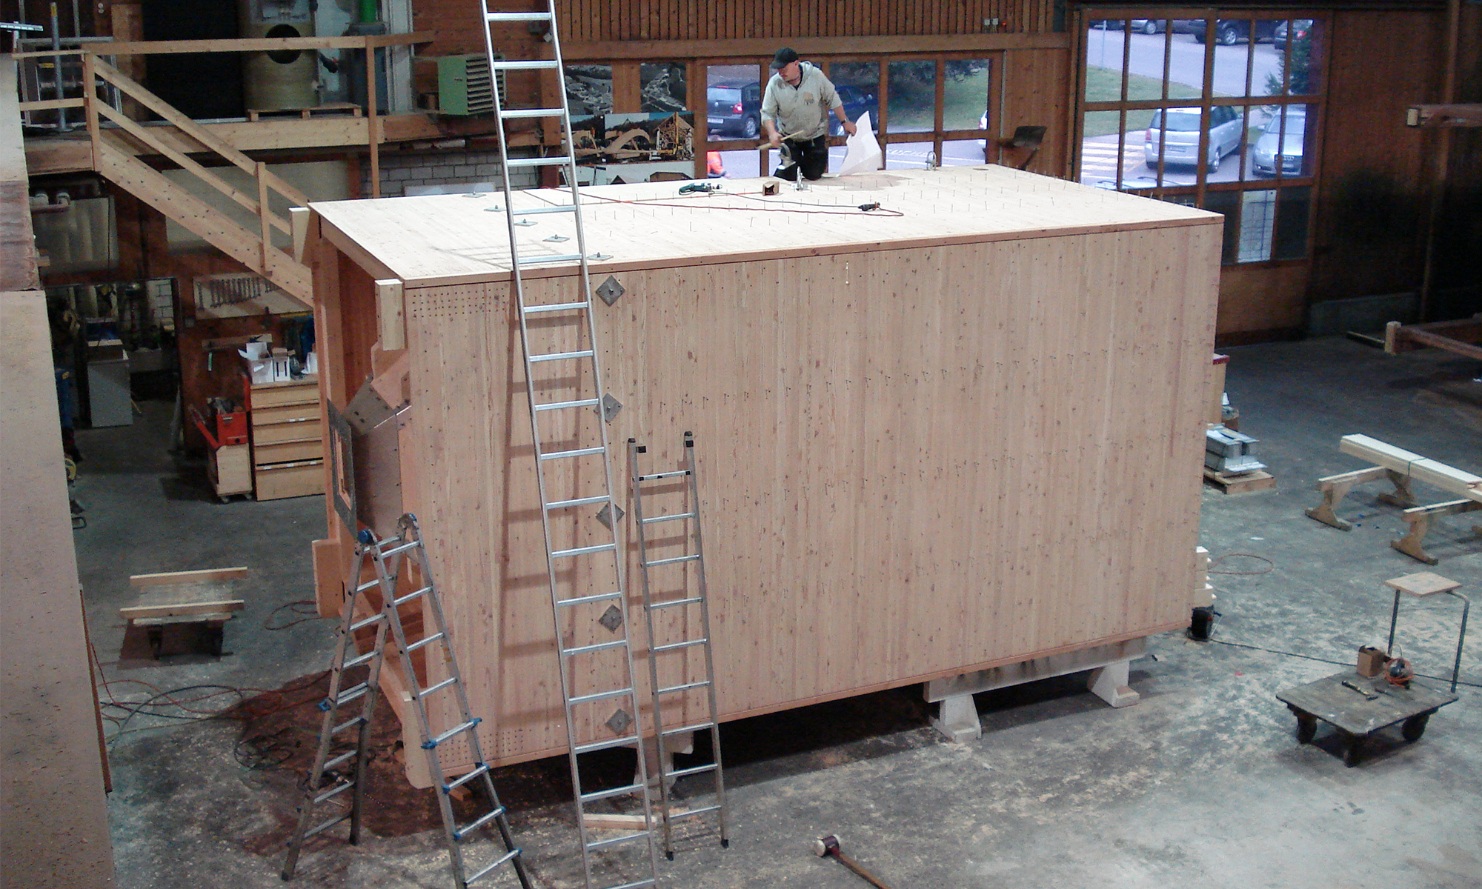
pixel 1177 130
pixel 1276 146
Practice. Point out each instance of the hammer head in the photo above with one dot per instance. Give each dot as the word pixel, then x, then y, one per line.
pixel 823 847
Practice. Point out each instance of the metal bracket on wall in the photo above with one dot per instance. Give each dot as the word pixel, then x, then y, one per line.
pixel 611 290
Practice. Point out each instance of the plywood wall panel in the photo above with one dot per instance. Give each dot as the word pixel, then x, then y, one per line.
pixel 912 461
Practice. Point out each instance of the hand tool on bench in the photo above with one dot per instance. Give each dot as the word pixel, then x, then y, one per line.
pixel 828 847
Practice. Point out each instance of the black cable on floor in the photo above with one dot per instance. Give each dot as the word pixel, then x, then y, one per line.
pixel 1323 660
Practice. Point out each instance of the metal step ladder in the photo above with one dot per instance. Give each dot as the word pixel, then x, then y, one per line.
pixel 569 413
pixel 333 775
pixel 683 598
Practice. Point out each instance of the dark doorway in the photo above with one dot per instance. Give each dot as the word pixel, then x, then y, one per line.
pixel 201 85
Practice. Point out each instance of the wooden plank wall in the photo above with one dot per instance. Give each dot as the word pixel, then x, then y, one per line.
pixel 893 488
pixel 593 20
pixel 1373 199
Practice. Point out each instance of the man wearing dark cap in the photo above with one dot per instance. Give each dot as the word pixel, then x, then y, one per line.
pixel 795 111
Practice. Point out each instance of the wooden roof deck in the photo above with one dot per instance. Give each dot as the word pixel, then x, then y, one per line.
pixel 449 239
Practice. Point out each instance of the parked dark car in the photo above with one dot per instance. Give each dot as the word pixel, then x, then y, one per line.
pixel 734 109
pixel 1150 26
pixel 1276 146
pixel 1278 37
pixel 1228 32
pixel 857 100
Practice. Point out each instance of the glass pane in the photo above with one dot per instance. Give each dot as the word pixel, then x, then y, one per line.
pixel 1302 60
pixel 1106 43
pixel 1231 64
pixel 1292 213
pixel 858 85
pixel 589 89
pixel 910 155
pixel 1282 147
pixel 1267 71
pixel 969 152
pixel 661 85
pixel 1148 47
pixel 736 164
pixel 733 102
pixel 965 94
pixel 913 97
pixel 1105 158
pixel 1257 218
pixel 1228 203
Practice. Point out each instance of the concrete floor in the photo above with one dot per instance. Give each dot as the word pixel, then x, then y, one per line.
pixel 1200 784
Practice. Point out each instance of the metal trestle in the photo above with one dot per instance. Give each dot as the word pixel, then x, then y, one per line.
pixel 336 771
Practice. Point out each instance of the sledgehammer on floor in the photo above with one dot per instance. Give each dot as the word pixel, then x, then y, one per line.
pixel 825 847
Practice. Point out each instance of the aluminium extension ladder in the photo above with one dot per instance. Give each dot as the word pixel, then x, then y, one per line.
pixel 569 412
pixel 346 771
pixel 680 491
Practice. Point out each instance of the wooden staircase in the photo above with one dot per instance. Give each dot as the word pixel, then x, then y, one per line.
pixel 117 141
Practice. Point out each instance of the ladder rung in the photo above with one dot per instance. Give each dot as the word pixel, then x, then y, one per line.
pixel 414 594
pixel 674 561
pixel 675 646
pixel 617 841
pixel 691 770
pixel 333 791
pixel 537 161
pixel 325 826
pixel 600 696
pixel 610 792
pixel 655 476
pixel 484 871
pixel 354 692
pixel 567 405
pixel 579 501
pixel 577 452
pixel 539 211
pixel 478 822
pixel 669 518
pixel 368 585
pixel 464 779
pixel 690 601
pixel 437 686
pixel 362 624
pixel 398 549
pixel 587 600
pixel 685 687
pixel 351 723
pixel 517 16
pixel 584 550
pixel 627 741
pixel 467 726
pixel 592 649
pixel 357 661
pixel 549 257
pixel 424 642
pixel 692 812
pixel 699 726
pixel 532 112
pixel 557 307
pixel 339 760
pixel 636 884
pixel 561 356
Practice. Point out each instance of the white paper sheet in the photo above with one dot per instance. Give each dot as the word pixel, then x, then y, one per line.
pixel 862 150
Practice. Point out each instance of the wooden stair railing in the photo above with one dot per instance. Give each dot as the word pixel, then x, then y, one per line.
pixel 113 159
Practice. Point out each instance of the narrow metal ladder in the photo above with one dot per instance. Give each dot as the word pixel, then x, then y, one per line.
pixel 685 597
pixel 328 776
pixel 569 413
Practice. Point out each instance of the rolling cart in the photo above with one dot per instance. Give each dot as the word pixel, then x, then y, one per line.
pixel 1358 706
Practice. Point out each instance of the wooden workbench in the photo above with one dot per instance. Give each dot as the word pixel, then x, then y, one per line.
pixel 929 443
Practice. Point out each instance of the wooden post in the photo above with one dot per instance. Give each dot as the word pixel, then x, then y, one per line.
pixel 373 123
pixel 262 211
pixel 90 101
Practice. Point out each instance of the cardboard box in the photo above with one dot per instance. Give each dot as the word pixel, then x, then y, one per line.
pixel 1371 661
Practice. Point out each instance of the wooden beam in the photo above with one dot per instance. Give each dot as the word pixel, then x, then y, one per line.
pixel 1456 115
pixel 1432 472
pixel 261 44
pixel 763 48
pixel 208 575
pixel 391 315
pixel 181 609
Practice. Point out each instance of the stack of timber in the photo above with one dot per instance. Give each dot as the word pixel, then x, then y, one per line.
pixel 959 432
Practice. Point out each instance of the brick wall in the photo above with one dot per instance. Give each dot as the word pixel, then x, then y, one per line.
pixel 401 171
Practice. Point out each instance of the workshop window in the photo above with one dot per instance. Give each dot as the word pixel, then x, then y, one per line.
pixel 1218 113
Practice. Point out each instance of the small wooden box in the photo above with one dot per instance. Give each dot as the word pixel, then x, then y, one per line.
pixel 1371 661
pixel 230 470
